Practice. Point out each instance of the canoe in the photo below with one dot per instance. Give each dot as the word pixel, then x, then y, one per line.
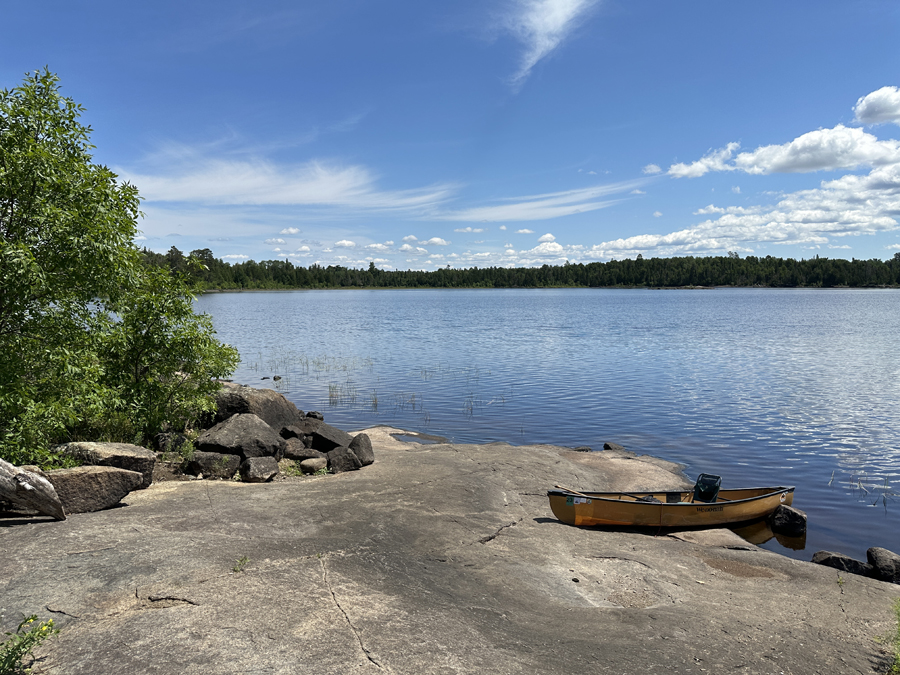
pixel 671 509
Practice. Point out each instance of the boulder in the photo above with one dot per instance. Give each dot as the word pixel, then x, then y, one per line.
pixel 118 455
pixel 842 562
pixel 296 450
pixel 614 446
pixel 314 414
pixel 582 448
pixel 259 469
pixel 327 437
pixel 788 521
pixel 93 488
pixel 342 459
pixel 361 446
pixel 314 464
pixel 270 406
pixel 213 465
pixel 885 564
pixel 245 435
pixel 29 490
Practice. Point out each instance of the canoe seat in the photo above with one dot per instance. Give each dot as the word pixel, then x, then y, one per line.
pixel 706 489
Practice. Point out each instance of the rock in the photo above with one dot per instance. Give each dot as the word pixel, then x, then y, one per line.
pixel 788 520
pixel 93 488
pixel 315 415
pixel 327 437
pixel 270 406
pixel 614 446
pixel 885 564
pixel 30 490
pixel 361 446
pixel 213 465
pixel 842 562
pixel 303 428
pixel 342 459
pixel 314 464
pixel 119 455
pixel 259 469
pixel 582 448
pixel 245 435
pixel 295 449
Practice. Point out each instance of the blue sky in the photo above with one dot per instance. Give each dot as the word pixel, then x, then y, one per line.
pixel 420 134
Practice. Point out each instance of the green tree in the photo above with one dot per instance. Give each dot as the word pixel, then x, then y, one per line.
pixel 72 284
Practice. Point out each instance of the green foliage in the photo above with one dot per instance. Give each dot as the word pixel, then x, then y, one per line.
pixel 240 564
pixel 94 343
pixel 20 644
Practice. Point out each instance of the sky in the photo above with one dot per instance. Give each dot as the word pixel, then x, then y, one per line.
pixel 477 133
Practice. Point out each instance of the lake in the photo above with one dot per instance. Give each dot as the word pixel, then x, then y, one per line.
pixel 760 386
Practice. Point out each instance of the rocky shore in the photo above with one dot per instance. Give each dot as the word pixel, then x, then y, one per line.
pixel 435 558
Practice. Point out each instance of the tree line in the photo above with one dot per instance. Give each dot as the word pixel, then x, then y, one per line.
pixel 211 273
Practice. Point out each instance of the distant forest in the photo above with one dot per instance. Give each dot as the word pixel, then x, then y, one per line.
pixel 731 270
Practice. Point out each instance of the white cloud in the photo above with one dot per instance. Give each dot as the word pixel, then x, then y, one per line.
pixel 303 249
pixel 893 247
pixel 503 227
pixel 879 107
pixel 821 150
pixel 547 237
pixel 410 237
pixel 525 231
pixel 474 229
pixel 651 169
pixel 736 190
pixel 637 192
pixel 657 214
pixel 140 237
pixel 186 175
pixel 290 230
pixel 436 241
pixel 344 243
pixel 236 256
pixel 272 242
pixel 275 250
pixel 378 247
pixel 510 252
pixel 415 250
pixel 542 25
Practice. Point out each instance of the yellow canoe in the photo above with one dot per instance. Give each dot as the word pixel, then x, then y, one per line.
pixel 672 509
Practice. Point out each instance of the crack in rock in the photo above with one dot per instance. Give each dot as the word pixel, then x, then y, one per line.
pixel 346 617
pixel 491 537
pixel 171 598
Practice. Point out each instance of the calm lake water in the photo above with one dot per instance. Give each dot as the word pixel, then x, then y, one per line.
pixel 761 386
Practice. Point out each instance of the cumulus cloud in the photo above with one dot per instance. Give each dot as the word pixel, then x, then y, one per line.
pixel 235 256
pixel 378 247
pixel 525 231
pixel 879 107
pixel 303 249
pixel 542 25
pixel 344 243
pixel 821 150
pixel 736 190
pixel 436 241
pixel 140 237
pixel 474 229
pixel 657 214
pixel 415 250
pixel 651 169
pixel 547 237
pixel 272 242
pixel 410 237
pixel 503 227
pixel 290 230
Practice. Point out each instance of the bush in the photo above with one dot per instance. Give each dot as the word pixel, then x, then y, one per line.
pixel 94 343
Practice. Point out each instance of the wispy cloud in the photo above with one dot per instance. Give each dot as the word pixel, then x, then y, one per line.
pixel 542 25
pixel 544 206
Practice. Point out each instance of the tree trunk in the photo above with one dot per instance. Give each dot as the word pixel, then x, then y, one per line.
pixel 23 488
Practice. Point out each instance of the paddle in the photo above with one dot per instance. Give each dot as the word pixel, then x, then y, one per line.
pixel 581 494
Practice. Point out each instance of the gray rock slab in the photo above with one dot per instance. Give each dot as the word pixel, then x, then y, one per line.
pixel 436 559
pixel 245 435
pixel 120 455
pixel 92 488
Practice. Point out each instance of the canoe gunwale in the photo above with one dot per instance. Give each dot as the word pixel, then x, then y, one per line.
pixel 597 496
